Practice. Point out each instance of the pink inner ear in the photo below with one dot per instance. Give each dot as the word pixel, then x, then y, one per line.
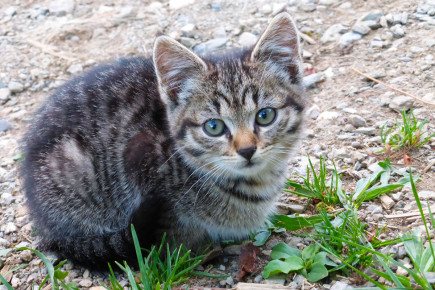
pixel 279 47
pixel 175 66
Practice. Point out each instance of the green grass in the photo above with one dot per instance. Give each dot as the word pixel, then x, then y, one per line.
pixel 162 268
pixel 405 135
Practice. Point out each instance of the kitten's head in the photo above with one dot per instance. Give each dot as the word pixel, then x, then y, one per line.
pixel 236 114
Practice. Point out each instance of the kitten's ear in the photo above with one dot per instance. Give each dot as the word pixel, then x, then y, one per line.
pixel 278 48
pixel 176 67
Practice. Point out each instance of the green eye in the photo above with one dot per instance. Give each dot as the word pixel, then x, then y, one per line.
pixel 265 116
pixel 214 127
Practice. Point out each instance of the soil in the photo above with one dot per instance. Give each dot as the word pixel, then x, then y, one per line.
pixel 44 43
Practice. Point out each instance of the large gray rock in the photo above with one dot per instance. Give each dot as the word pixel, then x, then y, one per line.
pixel 348 38
pixel 15 87
pixel 4 125
pixel 401 103
pixel 361 28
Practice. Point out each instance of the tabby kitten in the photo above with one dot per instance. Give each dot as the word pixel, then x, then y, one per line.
pixel 196 147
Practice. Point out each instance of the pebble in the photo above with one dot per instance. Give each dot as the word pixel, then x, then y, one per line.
pixel 401 102
pixel 313 79
pixel 397 196
pixel 279 281
pixel 401 271
pixel 397 31
pixel 429 97
pixel 357 121
pixel 85 283
pixel 387 202
pixel 328 115
pixel 75 68
pixel 232 250
pixel 327 2
pixel 177 4
pixel 61 7
pixel 313 112
pixel 349 37
pixel 356 145
pixel 367 130
pixel 187 30
pixel 15 87
pixel 230 281
pixel 426 194
pixel 307 7
pixel 266 9
pixel 361 28
pixel 211 45
pixel 374 209
pixel 4 243
pixel 10 228
pixel 247 39
pixel 333 33
pixel 341 286
pixel 373 16
pixel 187 41
pixel 5 125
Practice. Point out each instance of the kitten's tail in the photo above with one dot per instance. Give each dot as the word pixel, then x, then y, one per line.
pixel 94 252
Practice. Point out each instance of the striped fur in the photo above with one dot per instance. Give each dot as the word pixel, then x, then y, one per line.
pixel 125 143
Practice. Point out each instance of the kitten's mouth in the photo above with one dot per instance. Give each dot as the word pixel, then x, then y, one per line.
pixel 249 164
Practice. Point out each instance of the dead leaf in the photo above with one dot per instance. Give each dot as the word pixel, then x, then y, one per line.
pixel 407 160
pixel 248 260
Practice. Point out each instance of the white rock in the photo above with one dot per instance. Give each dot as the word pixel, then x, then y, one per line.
pixel 125 12
pixel 61 7
pixel 361 28
pixel 10 228
pixel 357 121
pixel 426 194
pixel 4 125
pixel 15 87
pixel 349 37
pixel 219 32
pixel 327 2
pixel 247 39
pixel 312 79
pixel 367 130
pixel 387 202
pixel 313 112
pixel 10 11
pixel 327 115
pixel 86 283
pixel 4 243
pixel 5 93
pixel 177 4
pixel 333 33
pixel 429 97
pixel 401 102
pixel 341 286
pixel 188 29
pixel 266 9
pixel 75 68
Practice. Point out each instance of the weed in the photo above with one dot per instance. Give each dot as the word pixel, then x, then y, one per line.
pixel 263 234
pixel 309 262
pixel 405 135
pixel 160 269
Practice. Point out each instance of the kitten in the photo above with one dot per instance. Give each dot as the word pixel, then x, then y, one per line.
pixel 196 147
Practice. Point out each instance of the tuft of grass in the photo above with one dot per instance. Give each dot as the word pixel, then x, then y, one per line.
pixel 160 269
pixel 404 135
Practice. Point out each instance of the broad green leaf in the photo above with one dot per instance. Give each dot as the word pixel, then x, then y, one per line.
pixel 277 266
pixel 299 189
pixel 309 252
pixel 293 223
pixel 318 272
pixel 261 238
pixel 60 274
pixel 376 191
pixel 283 251
pixel 321 258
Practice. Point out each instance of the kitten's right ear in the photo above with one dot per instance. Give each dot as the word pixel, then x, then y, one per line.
pixel 176 67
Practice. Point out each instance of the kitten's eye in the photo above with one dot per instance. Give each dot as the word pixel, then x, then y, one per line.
pixel 265 116
pixel 214 127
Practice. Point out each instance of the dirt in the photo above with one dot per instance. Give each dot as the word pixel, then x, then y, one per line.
pixel 41 49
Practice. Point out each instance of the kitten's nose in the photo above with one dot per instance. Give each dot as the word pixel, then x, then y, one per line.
pixel 247 152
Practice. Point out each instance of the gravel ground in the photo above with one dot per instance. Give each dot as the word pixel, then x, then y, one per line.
pixel 45 43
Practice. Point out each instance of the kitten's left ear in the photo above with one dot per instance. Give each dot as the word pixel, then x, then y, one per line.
pixel 279 49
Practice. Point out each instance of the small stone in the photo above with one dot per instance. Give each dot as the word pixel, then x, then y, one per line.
pixel 5 93
pixel 397 31
pixel 372 24
pixel 5 125
pixel 187 30
pixel 328 2
pixel 401 102
pixel 374 209
pixel 357 121
pixel 219 32
pixel 187 41
pixel 313 112
pixel 349 128
pixel 177 4
pixel 397 196
pixel 273 280
pixel 86 274
pixel 258 278
pixel 4 243
pixel 10 228
pixel 278 7
pixel 15 87
pixel 126 12
pixel 387 202
pixel 266 9
pixel 86 283
pixel 426 195
pixel 307 7
pixel 367 130
pixel 232 250
pixel 429 97
pixel 348 38
pixel 333 33
pixel 26 256
pixel 374 15
pixel 61 7
pixel 361 28
pixel 230 281
pixel 341 286
pixel 75 68
pixel 356 145
pixel 247 39
pixel 211 45
pixel 328 115
pixel 401 271
pixel 313 79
